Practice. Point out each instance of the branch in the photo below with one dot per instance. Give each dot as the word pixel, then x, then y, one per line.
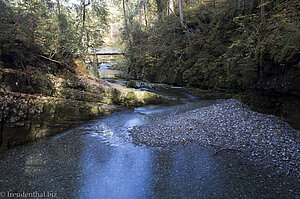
pixel 50 59
pixel 183 25
pixel 29 83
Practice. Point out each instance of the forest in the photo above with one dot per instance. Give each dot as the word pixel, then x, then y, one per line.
pixel 149 98
pixel 247 48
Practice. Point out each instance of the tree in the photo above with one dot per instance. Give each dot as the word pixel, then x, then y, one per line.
pixel 145 14
pixel 126 24
pixel 159 10
pixel 171 7
pixel 180 2
pixel 262 11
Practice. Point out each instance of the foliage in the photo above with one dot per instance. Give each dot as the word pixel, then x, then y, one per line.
pixel 222 46
pixel 33 29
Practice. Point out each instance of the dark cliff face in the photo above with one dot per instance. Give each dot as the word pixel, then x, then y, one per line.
pixel 273 91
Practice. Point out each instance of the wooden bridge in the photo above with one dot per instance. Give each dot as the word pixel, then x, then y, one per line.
pixel 109 53
pixel 106 51
pixel 101 55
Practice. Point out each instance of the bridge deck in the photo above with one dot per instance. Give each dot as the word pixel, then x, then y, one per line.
pixel 109 53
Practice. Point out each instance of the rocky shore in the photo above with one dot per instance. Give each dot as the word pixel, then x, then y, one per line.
pixel 229 126
pixel 35 104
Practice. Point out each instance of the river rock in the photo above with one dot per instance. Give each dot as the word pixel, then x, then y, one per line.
pixel 37 105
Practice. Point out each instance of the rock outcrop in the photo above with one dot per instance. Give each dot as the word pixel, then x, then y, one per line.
pixel 37 104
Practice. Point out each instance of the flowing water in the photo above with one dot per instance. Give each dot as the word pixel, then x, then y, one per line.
pixel 98 160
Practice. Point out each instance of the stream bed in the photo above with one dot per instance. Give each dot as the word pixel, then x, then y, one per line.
pixel 99 160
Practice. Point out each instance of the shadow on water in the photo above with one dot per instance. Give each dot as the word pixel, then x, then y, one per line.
pixel 98 160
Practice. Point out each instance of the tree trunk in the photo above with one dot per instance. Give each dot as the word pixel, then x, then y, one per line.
pixel 58 6
pixel 83 14
pixel 126 24
pixel 83 23
pixel 145 12
pixel 181 11
pixel 262 11
pixel 159 10
pixel 83 19
pixel 171 7
pixel 140 13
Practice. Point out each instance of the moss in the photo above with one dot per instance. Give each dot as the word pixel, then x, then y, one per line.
pixel 79 95
pixel 128 97
pixel 95 111
pixel 49 111
pixel 148 98
pixel 226 48
pixel 132 84
pixel 63 104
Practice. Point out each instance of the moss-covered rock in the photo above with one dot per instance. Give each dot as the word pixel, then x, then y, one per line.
pixel 23 120
pixel 128 97
pixel 60 104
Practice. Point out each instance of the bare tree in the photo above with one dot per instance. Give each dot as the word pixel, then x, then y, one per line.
pixel 262 10
pixel 181 11
pixel 58 6
pixel 171 7
pixel 126 24
pixel 145 14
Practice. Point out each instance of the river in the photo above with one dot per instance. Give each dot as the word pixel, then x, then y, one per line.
pixel 98 160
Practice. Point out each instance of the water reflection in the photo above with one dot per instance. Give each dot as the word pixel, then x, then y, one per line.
pixel 106 73
pixel 185 172
pixel 123 173
pixel 97 160
pixel 45 165
pixel 114 168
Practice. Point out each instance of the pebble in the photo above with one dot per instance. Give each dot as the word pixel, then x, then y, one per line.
pixel 264 139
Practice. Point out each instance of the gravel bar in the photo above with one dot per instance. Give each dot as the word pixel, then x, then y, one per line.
pixel 228 126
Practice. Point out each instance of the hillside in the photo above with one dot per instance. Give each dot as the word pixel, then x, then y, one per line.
pixel 227 47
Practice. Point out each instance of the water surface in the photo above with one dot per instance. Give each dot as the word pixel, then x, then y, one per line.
pixel 98 160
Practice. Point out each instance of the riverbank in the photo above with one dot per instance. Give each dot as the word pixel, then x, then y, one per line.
pixel 225 48
pixel 229 126
pixel 35 103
